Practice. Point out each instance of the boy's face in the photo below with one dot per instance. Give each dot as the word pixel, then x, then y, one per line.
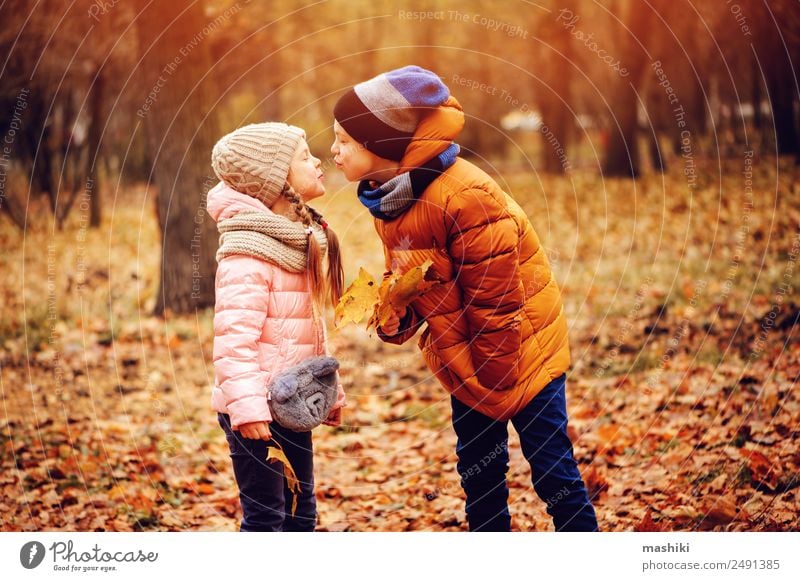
pixel 355 160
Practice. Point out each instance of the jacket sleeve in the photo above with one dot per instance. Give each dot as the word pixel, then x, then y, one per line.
pixel 483 243
pixel 409 324
pixel 241 309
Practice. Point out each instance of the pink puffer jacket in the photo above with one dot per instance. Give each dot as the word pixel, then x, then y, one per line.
pixel 264 322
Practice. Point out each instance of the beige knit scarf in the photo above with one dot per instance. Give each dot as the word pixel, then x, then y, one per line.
pixel 269 237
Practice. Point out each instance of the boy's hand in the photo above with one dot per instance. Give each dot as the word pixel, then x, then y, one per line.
pixel 392 326
pixel 256 431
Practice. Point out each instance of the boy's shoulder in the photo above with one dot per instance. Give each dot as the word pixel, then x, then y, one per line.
pixel 471 194
pixel 468 174
pixel 464 184
pixel 464 176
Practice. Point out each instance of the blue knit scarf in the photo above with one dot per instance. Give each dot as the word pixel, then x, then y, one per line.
pixel 391 199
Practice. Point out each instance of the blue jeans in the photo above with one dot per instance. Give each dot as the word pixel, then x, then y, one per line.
pixel 263 490
pixel 482 451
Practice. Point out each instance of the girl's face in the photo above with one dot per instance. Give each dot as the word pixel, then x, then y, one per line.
pixel 355 160
pixel 305 174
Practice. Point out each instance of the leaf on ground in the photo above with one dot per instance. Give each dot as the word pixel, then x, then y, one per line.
pixel 762 470
pixel 648 525
pixel 596 481
pixel 722 510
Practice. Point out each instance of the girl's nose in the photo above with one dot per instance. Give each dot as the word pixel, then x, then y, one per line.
pixel 334 149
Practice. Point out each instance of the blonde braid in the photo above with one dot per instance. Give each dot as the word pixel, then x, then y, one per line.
pixel 335 281
pixel 314 255
pixel 298 205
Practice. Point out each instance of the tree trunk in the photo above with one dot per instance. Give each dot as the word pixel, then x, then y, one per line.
pixel 756 96
pixel 622 157
pixel 554 96
pixel 776 61
pixel 96 122
pixel 425 41
pixel 554 105
pixel 9 207
pixel 555 128
pixel 180 133
pixel 487 113
pixel 656 153
pixel 781 95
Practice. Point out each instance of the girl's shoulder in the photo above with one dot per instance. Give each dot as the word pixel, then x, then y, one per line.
pixel 243 269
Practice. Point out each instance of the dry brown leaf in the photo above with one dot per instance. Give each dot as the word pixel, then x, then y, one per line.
pixel 276 453
pixel 609 433
pixel 595 481
pixel 722 510
pixel 205 488
pixel 762 470
pixel 648 525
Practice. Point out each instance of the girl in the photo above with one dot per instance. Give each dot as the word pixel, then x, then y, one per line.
pixel 269 292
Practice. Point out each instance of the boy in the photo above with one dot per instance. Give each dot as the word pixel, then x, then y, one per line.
pixel 496 334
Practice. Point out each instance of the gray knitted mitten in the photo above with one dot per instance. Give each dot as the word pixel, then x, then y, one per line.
pixel 301 397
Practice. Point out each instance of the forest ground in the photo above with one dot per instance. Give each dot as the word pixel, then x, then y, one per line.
pixel 682 394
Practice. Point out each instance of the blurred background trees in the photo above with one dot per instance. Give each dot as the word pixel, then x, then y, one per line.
pixel 99 94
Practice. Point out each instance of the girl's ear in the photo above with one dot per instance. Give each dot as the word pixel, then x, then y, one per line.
pixel 322 366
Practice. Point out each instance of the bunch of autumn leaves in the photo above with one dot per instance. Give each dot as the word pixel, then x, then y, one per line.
pixel 364 298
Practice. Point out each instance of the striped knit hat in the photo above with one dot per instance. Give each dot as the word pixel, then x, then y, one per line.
pixel 255 159
pixel 383 112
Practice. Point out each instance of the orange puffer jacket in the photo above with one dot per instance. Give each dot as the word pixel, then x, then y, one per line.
pixel 496 332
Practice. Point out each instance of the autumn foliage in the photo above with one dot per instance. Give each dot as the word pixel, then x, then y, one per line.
pixel 683 404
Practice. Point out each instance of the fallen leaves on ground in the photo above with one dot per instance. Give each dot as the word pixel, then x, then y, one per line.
pixel 684 411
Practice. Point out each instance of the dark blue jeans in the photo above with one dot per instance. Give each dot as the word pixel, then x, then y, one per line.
pixel 482 451
pixel 263 490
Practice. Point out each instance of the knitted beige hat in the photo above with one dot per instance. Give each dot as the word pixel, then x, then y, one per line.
pixel 255 159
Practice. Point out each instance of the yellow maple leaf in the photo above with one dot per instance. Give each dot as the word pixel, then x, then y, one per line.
pixel 358 301
pixel 399 291
pixel 276 453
